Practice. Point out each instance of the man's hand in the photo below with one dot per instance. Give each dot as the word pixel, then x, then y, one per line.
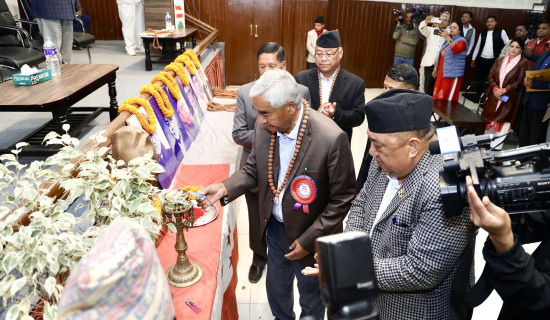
pixel 429 19
pixel 213 193
pixel 528 82
pixel 491 218
pixel 328 109
pixel 433 73
pixel 312 271
pixel 473 64
pixel 527 52
pixel 297 252
pixel 78 13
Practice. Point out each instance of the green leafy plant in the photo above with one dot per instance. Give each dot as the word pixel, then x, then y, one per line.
pixel 35 257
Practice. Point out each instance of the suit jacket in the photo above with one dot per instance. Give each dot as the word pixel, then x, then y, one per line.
pixel 539 100
pixel 246 116
pixel 54 9
pixel 325 156
pixel 348 92
pixel 416 249
pixel 513 82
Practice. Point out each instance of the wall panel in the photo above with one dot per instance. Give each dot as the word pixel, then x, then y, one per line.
pixel 105 24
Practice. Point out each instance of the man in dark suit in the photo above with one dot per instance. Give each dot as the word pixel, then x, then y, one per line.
pixel 270 56
pixel 55 20
pixel 335 92
pixel 296 153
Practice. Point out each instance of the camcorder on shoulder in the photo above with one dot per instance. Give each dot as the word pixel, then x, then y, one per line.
pixel 517 188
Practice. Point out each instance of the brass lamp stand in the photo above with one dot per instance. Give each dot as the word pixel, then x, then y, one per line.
pixel 184 273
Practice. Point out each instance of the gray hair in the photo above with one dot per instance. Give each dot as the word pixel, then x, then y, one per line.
pixel 277 87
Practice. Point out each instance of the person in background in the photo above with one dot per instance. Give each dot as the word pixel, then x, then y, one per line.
pixel 449 67
pixel 77 27
pixel 270 56
pixel 520 279
pixel 468 30
pixel 55 20
pixel 433 44
pixel 537 46
pixel 335 92
pixel 521 33
pixel 399 76
pixel 312 36
pixel 488 47
pixel 533 128
pixel 406 39
pixel 505 91
pixel 133 22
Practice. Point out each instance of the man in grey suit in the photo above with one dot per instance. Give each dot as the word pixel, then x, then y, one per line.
pixel 416 249
pixel 301 164
pixel 270 56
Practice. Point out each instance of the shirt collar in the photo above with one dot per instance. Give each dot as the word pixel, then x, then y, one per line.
pixel 331 77
pixel 393 181
pixel 294 133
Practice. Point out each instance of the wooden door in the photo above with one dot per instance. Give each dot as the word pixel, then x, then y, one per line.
pixel 250 23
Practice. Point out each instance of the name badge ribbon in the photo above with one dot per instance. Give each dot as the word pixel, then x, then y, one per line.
pixel 304 190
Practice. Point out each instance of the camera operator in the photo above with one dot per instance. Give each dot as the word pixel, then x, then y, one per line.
pixel 521 280
pixel 406 40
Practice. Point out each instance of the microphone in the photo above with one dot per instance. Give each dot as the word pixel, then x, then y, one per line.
pixel 466 141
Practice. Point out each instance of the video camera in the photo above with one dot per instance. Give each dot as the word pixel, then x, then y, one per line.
pixel 399 15
pixel 523 188
pixel 419 14
pixel 346 276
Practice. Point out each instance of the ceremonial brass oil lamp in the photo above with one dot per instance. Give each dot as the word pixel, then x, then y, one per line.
pixel 180 213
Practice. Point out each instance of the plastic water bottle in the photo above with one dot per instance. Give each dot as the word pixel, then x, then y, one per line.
pixel 52 62
pixel 168 21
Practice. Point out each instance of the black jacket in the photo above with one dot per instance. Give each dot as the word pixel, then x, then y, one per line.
pixel 348 92
pixel 523 280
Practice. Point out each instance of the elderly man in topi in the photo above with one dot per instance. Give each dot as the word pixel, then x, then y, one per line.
pixel 416 248
pixel 301 164
pixel 335 92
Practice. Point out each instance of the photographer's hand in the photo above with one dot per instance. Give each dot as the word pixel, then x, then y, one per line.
pixel 429 19
pixel 312 271
pixel 491 218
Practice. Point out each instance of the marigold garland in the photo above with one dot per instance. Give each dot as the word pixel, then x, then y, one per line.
pixel 191 189
pixel 191 54
pixel 161 97
pixel 188 63
pixel 148 123
pixel 156 203
pixel 179 70
pixel 169 82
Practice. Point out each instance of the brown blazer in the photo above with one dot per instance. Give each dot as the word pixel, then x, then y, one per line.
pixel 325 156
pixel 513 81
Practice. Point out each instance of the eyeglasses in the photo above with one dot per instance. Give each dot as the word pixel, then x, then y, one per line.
pixel 520 29
pixel 326 55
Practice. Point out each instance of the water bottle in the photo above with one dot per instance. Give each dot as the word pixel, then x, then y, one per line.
pixel 52 62
pixel 168 21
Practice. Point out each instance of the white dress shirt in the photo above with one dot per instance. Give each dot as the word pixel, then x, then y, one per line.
pixel 487 50
pixel 286 150
pixel 391 191
pixel 326 84
pixel 472 39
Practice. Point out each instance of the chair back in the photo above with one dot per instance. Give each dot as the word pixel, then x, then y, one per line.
pixel 26 6
pixel 7 36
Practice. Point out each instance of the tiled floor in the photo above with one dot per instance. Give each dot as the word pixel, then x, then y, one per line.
pixel 251 298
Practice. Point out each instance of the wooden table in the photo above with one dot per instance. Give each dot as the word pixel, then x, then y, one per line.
pixel 168 55
pixel 58 96
pixel 454 113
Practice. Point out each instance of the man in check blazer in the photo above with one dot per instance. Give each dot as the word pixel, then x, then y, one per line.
pixel 416 249
pixel 270 56
pixel 301 195
pixel 335 92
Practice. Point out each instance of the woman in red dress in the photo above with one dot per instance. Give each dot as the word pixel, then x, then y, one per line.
pixel 449 67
